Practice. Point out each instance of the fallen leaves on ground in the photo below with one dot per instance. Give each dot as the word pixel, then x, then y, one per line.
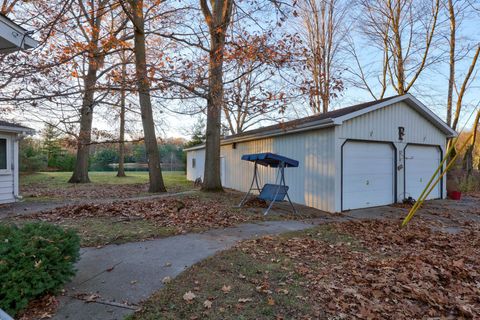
pixel 388 273
pixel 181 214
pixel 189 296
pixel 42 308
pixel 207 304
pixel 256 202
pixel 86 191
pixel 226 289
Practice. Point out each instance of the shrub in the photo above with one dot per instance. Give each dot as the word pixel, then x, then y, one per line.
pixel 35 259
pixel 32 159
pixel 64 161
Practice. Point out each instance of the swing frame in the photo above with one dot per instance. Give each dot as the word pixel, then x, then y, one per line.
pixel 269 160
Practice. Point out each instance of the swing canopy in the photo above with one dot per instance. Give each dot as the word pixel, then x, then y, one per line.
pixel 270 160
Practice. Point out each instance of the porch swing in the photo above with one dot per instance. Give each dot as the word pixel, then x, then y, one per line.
pixel 270 192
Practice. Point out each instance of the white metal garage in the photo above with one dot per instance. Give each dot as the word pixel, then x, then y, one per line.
pixel 420 164
pixel 366 155
pixel 368 174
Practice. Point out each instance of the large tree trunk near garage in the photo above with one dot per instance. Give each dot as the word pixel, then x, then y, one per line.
pixel 80 173
pixel 212 181
pixel 121 147
pixel 153 156
pixel 217 16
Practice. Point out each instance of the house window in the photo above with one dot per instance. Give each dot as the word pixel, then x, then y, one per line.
pixel 3 154
pixel 193 162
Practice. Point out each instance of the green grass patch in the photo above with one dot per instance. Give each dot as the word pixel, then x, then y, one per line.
pixel 110 177
pixel 52 186
pixel 275 289
pixel 100 231
pixel 324 232
pixel 246 278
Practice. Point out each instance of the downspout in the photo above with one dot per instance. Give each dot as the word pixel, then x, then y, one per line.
pixel 15 166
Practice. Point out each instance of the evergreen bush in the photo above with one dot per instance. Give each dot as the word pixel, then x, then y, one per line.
pixel 35 259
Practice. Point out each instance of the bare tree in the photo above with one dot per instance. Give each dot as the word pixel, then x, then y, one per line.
pixel 468 159
pixel 324 31
pixel 403 31
pixel 254 89
pixel 136 16
pixel 7 6
pixel 464 87
pixel 94 16
pixel 123 93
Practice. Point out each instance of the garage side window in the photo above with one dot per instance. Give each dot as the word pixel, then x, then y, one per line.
pixel 194 162
pixel 3 154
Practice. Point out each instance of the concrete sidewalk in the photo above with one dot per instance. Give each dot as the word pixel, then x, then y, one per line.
pixel 113 280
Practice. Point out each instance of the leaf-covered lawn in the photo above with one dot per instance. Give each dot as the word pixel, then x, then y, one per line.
pixel 365 270
pixel 134 220
pixel 47 186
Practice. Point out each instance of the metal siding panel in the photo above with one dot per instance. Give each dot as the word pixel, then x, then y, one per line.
pixel 383 125
pixel 310 184
pixel 197 172
pixel 6 187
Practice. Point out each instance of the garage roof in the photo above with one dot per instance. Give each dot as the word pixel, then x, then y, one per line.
pixel 13 127
pixel 337 117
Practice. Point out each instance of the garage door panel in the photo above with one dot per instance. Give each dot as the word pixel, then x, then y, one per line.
pixel 420 164
pixel 367 175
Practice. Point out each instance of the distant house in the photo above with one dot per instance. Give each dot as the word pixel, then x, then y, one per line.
pixel 371 154
pixel 12 38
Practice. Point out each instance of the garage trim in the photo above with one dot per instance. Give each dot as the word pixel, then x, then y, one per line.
pixel 405 165
pixel 395 151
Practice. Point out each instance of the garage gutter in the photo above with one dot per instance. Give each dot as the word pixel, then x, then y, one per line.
pixel 16 37
pixel 320 124
pixel 20 130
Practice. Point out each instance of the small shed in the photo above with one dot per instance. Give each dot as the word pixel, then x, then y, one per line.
pixel 10 135
pixel 371 154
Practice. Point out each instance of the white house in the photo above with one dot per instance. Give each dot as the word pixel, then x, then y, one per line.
pixel 366 155
pixel 10 135
pixel 12 38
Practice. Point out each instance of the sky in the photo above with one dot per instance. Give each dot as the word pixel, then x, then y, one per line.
pixel 430 88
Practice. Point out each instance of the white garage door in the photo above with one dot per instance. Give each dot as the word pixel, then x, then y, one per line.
pixel 420 164
pixel 368 175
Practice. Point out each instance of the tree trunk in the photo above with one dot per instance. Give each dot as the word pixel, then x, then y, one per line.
pixel 121 147
pixel 463 88
pixel 451 77
pixel 211 176
pixel 218 19
pixel 468 159
pixel 80 173
pixel 143 84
